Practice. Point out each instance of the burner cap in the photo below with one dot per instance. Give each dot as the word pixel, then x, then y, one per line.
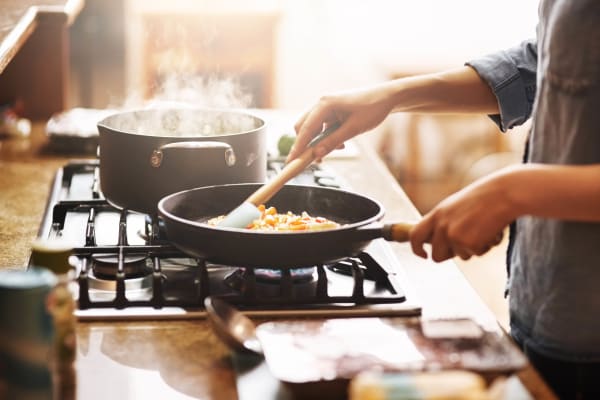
pixel 299 275
pixel 268 281
pixel 106 265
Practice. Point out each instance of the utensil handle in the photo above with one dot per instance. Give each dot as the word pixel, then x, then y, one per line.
pixel 293 168
pixel 398 232
pixel 158 155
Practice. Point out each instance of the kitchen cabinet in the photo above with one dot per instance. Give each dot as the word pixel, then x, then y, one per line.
pixel 34 65
pixel 183 359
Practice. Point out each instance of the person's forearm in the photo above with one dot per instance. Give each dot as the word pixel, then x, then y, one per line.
pixel 555 191
pixel 456 91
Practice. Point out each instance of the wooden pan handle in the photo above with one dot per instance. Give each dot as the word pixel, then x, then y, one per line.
pixel 399 232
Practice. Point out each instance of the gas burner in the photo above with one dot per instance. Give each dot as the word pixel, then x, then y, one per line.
pixel 105 266
pixel 273 282
pixel 138 288
pixel 298 275
pixel 348 268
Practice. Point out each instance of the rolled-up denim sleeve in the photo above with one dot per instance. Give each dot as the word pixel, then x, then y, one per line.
pixel 512 76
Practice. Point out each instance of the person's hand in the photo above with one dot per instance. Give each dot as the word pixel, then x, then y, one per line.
pixel 467 223
pixel 356 112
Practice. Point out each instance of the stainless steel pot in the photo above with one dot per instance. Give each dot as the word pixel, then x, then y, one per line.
pixel 148 154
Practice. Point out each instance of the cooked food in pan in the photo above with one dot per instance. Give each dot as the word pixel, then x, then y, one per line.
pixel 271 220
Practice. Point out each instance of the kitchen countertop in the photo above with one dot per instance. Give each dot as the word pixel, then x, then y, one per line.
pixel 183 359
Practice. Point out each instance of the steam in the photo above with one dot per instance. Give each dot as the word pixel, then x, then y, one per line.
pixel 184 101
pixel 187 106
pixel 209 92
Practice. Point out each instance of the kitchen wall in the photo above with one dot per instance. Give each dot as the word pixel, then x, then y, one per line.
pixel 330 45
pixel 336 44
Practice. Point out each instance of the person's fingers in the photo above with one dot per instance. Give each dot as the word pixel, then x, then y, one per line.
pixel 298 127
pixel 420 235
pixel 481 250
pixel 461 252
pixel 334 140
pixel 484 248
pixel 294 150
pixel 498 238
pixel 440 247
pixel 311 126
pixel 300 121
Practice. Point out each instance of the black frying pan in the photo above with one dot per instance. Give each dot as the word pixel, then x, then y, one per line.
pixel 185 214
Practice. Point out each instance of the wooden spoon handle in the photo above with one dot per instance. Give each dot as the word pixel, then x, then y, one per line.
pixel 293 168
pixel 398 232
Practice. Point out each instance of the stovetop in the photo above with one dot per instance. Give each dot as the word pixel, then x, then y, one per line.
pixel 127 269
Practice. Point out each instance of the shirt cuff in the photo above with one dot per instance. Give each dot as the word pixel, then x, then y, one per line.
pixel 503 77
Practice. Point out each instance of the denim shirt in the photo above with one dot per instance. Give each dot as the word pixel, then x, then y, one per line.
pixel 554 264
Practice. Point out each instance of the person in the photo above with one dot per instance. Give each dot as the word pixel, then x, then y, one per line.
pixel 551 202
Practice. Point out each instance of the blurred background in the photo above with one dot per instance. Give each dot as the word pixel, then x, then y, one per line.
pixel 286 54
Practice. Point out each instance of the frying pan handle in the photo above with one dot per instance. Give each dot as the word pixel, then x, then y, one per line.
pixel 157 154
pixel 398 232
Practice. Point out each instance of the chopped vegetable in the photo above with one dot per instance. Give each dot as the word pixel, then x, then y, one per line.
pixel 285 143
pixel 270 220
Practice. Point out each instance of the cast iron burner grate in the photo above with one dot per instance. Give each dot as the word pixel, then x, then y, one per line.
pixel 124 261
pixel 249 294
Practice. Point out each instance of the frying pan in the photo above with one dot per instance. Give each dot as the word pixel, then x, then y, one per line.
pixel 185 214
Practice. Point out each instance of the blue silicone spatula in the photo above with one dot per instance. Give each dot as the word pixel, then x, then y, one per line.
pixel 248 211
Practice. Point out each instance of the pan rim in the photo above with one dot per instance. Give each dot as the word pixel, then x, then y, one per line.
pixel 243 231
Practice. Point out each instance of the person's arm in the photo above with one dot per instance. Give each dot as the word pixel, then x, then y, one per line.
pixel 451 92
pixel 455 91
pixel 512 76
pixel 566 192
pixel 470 221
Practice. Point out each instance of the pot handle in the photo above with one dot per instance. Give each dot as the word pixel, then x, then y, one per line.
pixel 157 154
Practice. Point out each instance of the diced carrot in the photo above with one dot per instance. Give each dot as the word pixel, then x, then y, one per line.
pixel 271 211
pixel 299 227
pixel 270 220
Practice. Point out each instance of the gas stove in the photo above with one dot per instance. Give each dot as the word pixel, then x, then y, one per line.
pixel 127 269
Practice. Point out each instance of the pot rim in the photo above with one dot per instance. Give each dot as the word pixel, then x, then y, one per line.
pixel 104 123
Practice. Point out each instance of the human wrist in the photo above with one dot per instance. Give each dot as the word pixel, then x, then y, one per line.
pixel 383 96
pixel 516 192
pixel 401 94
